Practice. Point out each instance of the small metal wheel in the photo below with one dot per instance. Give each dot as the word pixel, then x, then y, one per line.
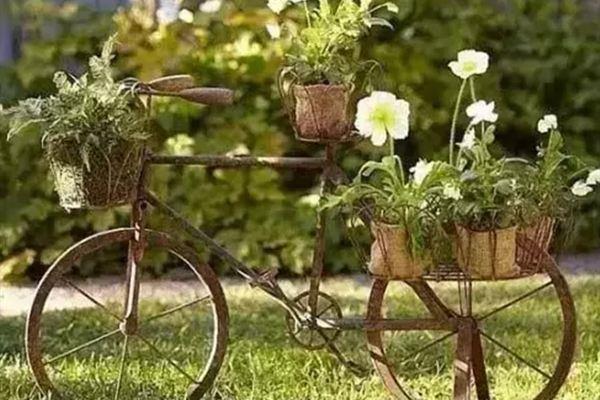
pixel 314 338
pixel 87 354
pixel 501 345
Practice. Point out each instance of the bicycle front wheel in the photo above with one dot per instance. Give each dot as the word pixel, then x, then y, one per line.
pixel 182 335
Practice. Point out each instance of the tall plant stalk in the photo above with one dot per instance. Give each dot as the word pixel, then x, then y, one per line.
pixel 455 119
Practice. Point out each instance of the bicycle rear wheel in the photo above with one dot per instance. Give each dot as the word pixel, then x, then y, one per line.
pixel 87 355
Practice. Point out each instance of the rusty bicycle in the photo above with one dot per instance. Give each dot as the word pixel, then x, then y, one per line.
pixel 314 318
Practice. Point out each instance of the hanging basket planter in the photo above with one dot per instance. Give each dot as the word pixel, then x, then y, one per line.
pixel 487 254
pixel 318 113
pixel 109 179
pixel 391 256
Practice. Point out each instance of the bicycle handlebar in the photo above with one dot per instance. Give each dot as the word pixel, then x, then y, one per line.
pixel 208 96
pixel 184 87
pixel 201 95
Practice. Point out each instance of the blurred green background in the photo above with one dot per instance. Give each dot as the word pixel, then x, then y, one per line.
pixel 545 58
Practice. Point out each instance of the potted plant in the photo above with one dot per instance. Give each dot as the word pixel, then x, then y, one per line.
pixel 318 78
pixel 488 214
pixel 486 217
pixel 401 207
pixel 93 135
pixel 554 186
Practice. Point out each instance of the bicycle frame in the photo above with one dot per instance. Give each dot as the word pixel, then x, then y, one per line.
pixel 331 175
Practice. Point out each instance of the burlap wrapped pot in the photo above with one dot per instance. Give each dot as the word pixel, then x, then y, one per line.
pixel 111 179
pixel 390 253
pixel 321 112
pixel 488 254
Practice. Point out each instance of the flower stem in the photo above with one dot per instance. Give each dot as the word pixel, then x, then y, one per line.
pixel 455 119
pixel 472 86
pixel 307 12
pixel 392 149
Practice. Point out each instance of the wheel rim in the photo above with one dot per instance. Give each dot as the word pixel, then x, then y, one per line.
pixel 555 380
pixel 198 383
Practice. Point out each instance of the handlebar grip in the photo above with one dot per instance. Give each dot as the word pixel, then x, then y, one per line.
pixel 208 96
pixel 173 83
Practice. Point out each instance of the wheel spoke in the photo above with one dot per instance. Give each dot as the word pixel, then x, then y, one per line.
pixel 90 298
pixel 513 302
pixel 324 310
pixel 479 370
pixel 177 308
pixel 83 346
pixel 428 346
pixel 122 367
pixel 167 359
pixel 515 355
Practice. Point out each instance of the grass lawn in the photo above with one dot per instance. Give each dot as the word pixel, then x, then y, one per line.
pixel 264 364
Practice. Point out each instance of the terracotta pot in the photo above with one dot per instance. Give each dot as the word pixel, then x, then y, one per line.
pixel 111 179
pixel 390 254
pixel 488 254
pixel 321 112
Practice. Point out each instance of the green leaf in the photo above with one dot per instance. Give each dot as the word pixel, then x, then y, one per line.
pixel 488 136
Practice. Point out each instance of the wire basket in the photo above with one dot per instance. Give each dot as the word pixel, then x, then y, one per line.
pixel 539 239
pixel 109 179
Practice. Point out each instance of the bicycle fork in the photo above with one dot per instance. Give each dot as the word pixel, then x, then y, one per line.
pixel 130 324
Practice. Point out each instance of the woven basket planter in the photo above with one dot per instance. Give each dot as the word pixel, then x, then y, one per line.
pixel 391 256
pixel 111 179
pixel 539 238
pixel 320 112
pixel 489 254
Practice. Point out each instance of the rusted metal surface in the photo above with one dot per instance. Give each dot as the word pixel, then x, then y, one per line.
pixel 478 366
pixel 319 247
pixel 388 324
pixel 307 336
pixel 91 245
pixel 463 362
pixel 469 366
pixel 213 161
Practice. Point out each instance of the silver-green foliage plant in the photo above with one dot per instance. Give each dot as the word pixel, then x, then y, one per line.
pixel 89 113
pixel 328 49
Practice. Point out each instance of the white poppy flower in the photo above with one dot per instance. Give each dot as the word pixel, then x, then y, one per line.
pixel 451 191
pixel 581 189
pixel 381 114
pixel 593 177
pixel 274 30
pixel 420 171
pixel 211 6
pixel 468 140
pixel 469 63
pixel 549 122
pixel 481 111
pixel 277 6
